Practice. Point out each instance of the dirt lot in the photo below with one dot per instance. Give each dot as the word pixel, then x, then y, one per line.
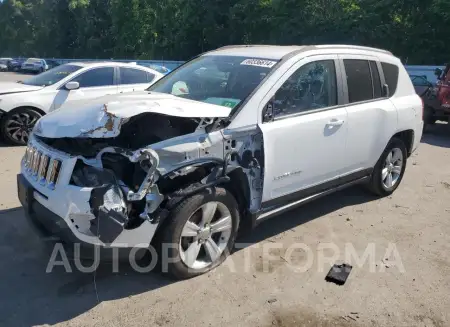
pixel 249 289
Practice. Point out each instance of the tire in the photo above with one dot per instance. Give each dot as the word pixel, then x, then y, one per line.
pixel 175 260
pixel 24 119
pixel 378 185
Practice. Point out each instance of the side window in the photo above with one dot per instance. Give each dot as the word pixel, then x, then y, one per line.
pixel 391 76
pixel 312 86
pixel 359 80
pixel 150 77
pixel 96 77
pixel 133 76
pixel 376 80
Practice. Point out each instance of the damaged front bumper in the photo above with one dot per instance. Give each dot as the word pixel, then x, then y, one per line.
pixel 75 214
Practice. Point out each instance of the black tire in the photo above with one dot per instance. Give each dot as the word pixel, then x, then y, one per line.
pixel 28 116
pixel 376 184
pixel 175 222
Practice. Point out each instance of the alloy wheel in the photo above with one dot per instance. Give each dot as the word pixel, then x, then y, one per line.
pixel 392 168
pixel 205 235
pixel 20 125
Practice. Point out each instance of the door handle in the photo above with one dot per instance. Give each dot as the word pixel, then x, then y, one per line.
pixel 335 122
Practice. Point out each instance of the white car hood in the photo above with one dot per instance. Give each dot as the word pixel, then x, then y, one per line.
pixel 13 87
pixel 104 116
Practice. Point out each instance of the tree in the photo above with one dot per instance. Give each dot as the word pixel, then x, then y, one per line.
pixel 414 30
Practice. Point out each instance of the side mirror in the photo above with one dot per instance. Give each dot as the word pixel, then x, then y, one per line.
pixel 438 72
pixel 72 86
pixel 268 112
pixel 385 91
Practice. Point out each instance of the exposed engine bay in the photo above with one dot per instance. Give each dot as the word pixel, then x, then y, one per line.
pixel 156 161
pixel 139 131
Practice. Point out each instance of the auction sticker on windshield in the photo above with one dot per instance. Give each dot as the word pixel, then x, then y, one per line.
pixel 225 102
pixel 259 63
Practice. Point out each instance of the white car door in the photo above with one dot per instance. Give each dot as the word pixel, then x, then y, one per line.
pixel 304 140
pixel 94 83
pixel 371 116
pixel 134 79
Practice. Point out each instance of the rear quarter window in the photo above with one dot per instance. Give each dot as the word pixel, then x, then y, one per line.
pixel 391 76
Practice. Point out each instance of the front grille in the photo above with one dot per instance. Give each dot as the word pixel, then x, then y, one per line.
pixel 42 167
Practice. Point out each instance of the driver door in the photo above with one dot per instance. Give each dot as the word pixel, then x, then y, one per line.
pixel 305 130
pixel 94 83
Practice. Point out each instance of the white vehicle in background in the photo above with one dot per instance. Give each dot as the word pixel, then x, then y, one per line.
pixel 34 65
pixel 229 139
pixel 4 63
pixel 23 103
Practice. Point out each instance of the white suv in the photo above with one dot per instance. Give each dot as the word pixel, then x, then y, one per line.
pixel 23 103
pixel 233 137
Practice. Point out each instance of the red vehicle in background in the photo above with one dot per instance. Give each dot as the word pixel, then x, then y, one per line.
pixel 437 98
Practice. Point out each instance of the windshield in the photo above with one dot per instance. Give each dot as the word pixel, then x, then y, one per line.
pixel 220 80
pixel 52 76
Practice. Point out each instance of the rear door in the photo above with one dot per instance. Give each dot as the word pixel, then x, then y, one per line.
pixel 94 83
pixel 304 142
pixel 371 116
pixel 134 79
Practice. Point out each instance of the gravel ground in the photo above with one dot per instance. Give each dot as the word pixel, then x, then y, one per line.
pixel 258 286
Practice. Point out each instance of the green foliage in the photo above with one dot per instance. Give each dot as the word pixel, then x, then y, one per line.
pixel 414 30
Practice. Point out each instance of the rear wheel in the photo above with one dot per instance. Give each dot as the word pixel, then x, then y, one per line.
pixel 389 170
pixel 200 233
pixel 16 126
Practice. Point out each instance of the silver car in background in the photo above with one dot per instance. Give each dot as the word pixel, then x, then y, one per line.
pixel 34 65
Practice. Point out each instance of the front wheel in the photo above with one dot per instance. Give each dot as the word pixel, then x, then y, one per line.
pixel 389 170
pixel 200 233
pixel 16 126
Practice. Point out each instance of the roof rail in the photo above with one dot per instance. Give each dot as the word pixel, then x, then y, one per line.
pixel 246 46
pixel 344 46
pixel 356 47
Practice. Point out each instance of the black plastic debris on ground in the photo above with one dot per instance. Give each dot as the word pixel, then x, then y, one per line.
pixel 338 274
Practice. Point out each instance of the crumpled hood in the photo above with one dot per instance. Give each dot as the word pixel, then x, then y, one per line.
pixel 104 116
pixel 14 87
